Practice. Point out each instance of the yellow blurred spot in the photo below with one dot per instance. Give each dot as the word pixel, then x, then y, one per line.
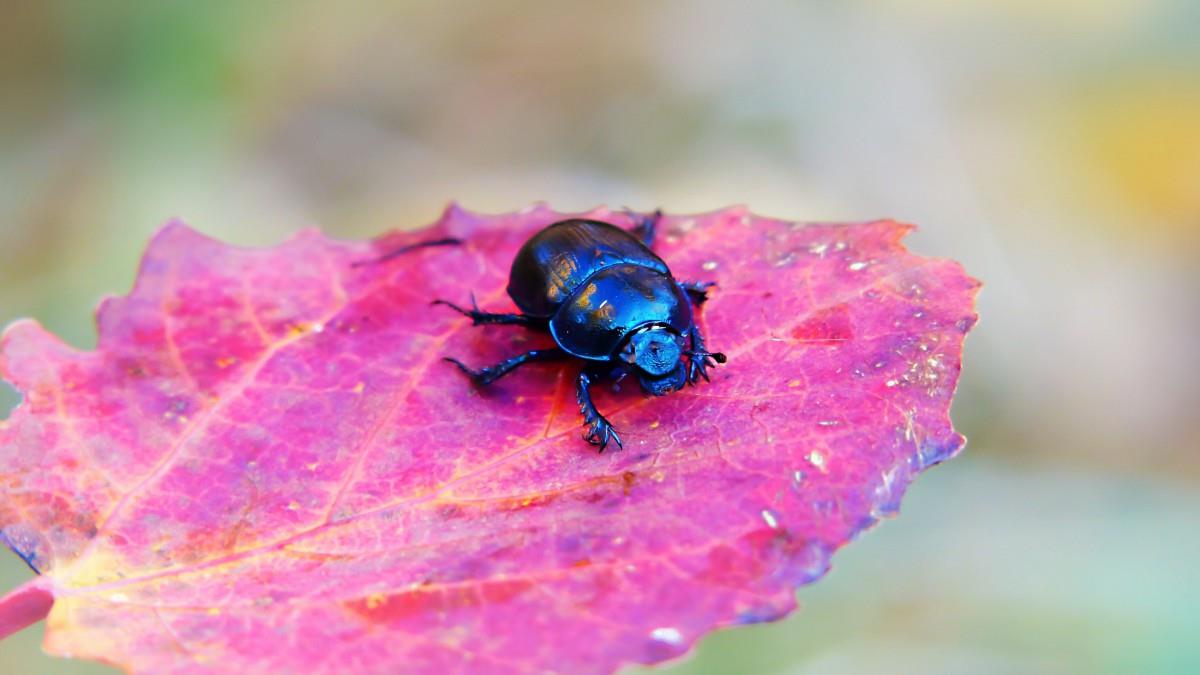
pixel 213 611
pixel 794 383
pixel 358 388
pixel 1094 18
pixel 1143 140
pixel 97 567
pixel 655 424
pixel 375 599
pixel 226 361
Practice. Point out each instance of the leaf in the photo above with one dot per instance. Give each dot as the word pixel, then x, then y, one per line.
pixel 265 466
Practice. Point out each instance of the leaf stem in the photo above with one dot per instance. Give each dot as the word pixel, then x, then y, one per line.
pixel 24 606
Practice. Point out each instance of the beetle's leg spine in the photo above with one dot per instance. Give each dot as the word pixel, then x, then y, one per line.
pixel 599 429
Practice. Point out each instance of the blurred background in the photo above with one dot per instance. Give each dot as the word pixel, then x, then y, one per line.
pixel 1053 146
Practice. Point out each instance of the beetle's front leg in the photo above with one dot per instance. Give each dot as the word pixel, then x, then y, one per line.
pixel 700 359
pixel 599 429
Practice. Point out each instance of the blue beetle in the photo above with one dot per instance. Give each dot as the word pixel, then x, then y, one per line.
pixel 608 300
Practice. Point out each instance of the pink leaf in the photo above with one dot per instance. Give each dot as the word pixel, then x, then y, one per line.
pixel 265 466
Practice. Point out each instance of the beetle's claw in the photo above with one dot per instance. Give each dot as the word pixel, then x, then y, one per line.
pixel 449 304
pixel 600 432
pixel 474 314
pixel 700 362
pixel 482 377
pixel 475 375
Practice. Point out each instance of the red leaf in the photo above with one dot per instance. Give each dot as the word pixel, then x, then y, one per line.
pixel 266 467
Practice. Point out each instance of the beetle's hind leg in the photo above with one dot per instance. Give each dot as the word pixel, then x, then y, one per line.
pixel 480 318
pixel 646 227
pixel 488 375
pixel 397 252
pixel 599 430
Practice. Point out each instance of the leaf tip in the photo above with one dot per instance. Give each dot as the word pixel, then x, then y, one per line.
pixel 457 220
pixel 173 229
pixel 893 231
pixel 26 349
pixel 25 606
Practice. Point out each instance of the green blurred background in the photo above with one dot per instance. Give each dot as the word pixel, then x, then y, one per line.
pixel 1052 146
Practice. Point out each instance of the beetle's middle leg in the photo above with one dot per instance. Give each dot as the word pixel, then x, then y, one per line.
pixel 488 375
pixel 480 318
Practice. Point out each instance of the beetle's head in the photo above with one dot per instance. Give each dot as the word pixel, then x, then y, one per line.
pixel 656 353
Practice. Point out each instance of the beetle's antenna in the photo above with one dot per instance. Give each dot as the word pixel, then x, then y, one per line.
pixel 448 241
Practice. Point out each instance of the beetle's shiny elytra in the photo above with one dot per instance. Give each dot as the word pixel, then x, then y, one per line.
pixel 608 300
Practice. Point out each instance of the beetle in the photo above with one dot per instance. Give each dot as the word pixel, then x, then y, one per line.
pixel 608 300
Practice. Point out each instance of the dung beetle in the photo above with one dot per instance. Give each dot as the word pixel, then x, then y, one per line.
pixel 608 300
